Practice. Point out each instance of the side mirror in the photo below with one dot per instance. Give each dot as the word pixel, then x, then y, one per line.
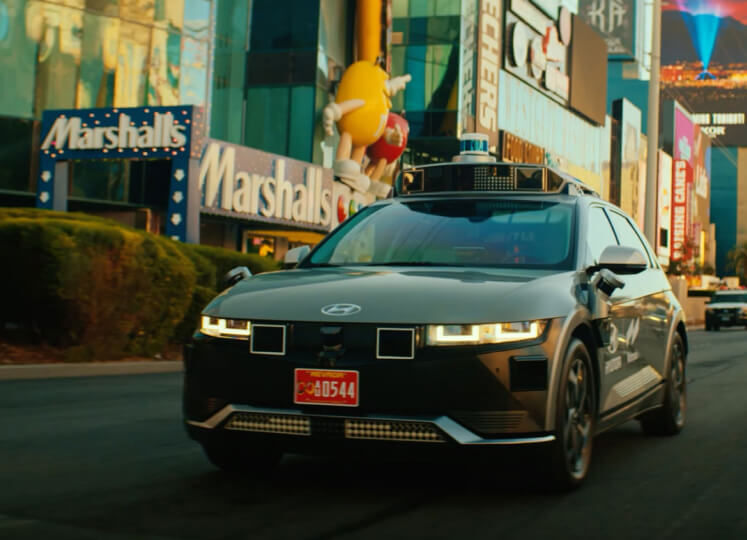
pixel 235 275
pixel 295 255
pixel 622 260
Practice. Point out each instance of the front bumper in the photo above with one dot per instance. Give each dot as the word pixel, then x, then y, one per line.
pixel 279 426
pixel 446 396
pixel 726 317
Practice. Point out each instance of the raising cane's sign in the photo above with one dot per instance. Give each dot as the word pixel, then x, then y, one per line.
pixel 682 178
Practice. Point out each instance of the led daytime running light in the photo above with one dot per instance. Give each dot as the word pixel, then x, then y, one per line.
pixel 479 334
pixel 232 328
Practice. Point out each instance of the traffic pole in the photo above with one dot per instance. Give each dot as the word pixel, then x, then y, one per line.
pixel 649 223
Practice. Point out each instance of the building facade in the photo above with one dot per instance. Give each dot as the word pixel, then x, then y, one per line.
pixel 253 77
pixel 504 69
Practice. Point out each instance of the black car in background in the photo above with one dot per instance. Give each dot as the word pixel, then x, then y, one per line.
pixel 726 308
pixel 486 305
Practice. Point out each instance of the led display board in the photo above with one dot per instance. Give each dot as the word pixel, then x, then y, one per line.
pixel 704 64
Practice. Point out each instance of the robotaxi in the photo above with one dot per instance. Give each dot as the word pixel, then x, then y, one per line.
pixel 484 305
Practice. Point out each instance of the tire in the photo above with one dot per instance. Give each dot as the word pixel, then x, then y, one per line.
pixel 669 419
pixel 575 420
pixel 242 459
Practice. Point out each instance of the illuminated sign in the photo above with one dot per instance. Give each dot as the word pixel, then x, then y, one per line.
pixel 516 150
pixel 614 20
pixel 682 176
pixel 664 208
pixel 488 60
pixel 703 64
pixel 537 50
pixel 74 133
pixel 714 124
pixel 165 133
pixel 248 183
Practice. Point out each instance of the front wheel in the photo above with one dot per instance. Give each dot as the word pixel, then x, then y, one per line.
pixel 669 419
pixel 575 420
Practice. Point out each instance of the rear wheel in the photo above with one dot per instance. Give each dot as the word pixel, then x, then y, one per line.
pixel 669 419
pixel 242 458
pixel 570 453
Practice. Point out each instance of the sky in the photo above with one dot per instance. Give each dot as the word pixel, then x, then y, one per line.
pixel 724 8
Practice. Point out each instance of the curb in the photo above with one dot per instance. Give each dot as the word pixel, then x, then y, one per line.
pixel 93 369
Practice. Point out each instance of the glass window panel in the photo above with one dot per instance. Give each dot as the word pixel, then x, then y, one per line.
pixel 415 65
pixel 442 30
pixel 15 153
pixel 333 30
pixel 323 145
pixel 447 7
pixel 105 7
pixel 100 180
pixel 600 234
pixel 627 234
pixel 400 8
pixel 18 55
pixel 304 24
pixel 98 63
pixel 137 10
pixel 132 65
pixel 229 71
pixel 59 31
pixel 197 18
pixel 421 8
pixel 267 119
pixel 301 122
pixel 193 77
pixel 169 14
pixel 294 27
pixel 163 75
pixel 398 68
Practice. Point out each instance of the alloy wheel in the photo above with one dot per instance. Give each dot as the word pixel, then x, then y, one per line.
pixel 578 419
pixel 678 388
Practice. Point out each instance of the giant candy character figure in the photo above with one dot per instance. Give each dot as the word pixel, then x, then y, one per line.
pixel 389 146
pixel 360 110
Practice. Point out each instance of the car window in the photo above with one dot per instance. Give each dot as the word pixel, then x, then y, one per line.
pixel 627 235
pixel 462 232
pixel 599 234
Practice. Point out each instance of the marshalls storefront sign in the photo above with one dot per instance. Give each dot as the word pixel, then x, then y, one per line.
pixel 171 133
pixel 247 183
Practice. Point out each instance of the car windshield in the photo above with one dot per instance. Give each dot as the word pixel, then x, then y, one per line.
pixel 729 298
pixel 454 232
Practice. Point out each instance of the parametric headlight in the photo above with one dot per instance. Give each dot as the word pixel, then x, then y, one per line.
pixel 480 334
pixel 225 328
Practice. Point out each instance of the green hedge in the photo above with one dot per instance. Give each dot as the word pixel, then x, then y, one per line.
pixel 101 289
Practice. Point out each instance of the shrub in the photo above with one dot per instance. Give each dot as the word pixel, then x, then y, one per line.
pixel 224 260
pixel 200 298
pixel 97 287
pixel 92 284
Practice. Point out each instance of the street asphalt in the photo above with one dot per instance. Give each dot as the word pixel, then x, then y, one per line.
pixel 107 458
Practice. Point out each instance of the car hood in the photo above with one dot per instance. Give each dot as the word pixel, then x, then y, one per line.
pixel 399 295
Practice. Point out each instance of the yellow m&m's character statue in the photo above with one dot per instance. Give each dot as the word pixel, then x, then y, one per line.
pixel 361 109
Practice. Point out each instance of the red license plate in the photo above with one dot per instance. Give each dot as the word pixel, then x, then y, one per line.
pixel 326 387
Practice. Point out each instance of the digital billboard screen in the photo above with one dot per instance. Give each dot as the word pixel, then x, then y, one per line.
pixel 704 64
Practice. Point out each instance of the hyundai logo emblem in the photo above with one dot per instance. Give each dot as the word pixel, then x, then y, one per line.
pixel 340 310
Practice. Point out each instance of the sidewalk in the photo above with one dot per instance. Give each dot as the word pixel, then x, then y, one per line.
pixel 48 371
